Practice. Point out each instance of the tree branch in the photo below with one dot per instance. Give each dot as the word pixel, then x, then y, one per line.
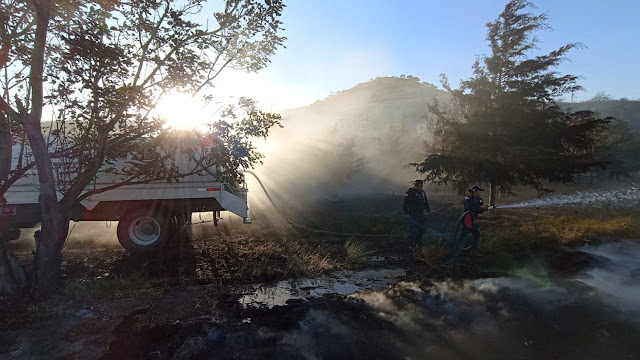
pixel 6 108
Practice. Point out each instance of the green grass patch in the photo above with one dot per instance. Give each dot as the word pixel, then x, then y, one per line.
pixel 513 233
pixel 570 230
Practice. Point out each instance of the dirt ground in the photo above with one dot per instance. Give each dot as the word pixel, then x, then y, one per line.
pixel 117 305
pixel 415 316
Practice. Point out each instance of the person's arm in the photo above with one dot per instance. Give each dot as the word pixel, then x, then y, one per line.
pixel 426 203
pixel 483 208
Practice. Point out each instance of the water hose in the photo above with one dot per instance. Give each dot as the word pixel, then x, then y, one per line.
pixel 458 242
pixel 293 223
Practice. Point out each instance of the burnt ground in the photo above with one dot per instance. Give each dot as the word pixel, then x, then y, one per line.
pixel 499 318
pixel 115 305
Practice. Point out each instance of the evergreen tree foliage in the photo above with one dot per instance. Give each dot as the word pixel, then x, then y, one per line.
pixel 503 126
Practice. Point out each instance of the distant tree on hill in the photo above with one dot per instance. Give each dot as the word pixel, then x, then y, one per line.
pixel 601 96
pixel 504 127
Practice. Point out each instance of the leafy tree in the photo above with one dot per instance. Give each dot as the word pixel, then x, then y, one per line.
pixel 503 126
pixel 105 65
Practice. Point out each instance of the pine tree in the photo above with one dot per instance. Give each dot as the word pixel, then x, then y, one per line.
pixel 503 127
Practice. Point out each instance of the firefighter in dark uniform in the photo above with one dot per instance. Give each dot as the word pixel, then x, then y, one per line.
pixel 415 204
pixel 474 205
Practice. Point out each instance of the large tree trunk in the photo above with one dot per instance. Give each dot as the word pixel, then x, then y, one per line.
pixel 49 243
pixel 492 194
pixel 55 221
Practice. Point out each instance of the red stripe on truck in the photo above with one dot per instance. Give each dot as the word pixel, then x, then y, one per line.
pixel 213 189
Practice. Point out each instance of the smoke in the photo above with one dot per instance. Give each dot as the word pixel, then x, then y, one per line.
pixel 519 316
pixel 96 232
pixel 587 315
pixel 617 281
pixel 81 234
pixel 355 142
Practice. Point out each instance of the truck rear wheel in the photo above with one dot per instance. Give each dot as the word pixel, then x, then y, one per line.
pixel 143 230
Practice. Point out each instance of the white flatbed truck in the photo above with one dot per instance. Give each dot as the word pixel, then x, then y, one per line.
pixel 146 213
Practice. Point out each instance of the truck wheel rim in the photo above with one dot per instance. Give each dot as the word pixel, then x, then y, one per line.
pixel 144 231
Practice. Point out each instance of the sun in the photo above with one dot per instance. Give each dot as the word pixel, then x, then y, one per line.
pixel 183 111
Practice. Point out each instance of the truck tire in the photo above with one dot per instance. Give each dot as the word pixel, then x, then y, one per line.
pixel 143 231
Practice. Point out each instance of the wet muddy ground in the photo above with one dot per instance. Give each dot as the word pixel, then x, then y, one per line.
pixel 576 304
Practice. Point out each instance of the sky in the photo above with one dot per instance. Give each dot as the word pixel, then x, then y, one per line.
pixel 333 45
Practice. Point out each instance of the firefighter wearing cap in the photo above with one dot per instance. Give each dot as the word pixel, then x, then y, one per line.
pixel 415 205
pixel 474 205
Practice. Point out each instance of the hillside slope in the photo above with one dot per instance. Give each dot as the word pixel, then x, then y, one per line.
pixel 369 107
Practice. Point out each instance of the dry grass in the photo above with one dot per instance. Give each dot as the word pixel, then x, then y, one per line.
pixel 265 256
pixel 576 230
pixel 513 233
pixel 432 253
pixel 507 235
pixel 356 252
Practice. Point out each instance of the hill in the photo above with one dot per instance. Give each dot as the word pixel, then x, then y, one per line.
pixel 369 107
pixel 361 139
pixel 354 141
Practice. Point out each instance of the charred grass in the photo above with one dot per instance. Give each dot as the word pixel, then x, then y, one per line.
pixel 233 254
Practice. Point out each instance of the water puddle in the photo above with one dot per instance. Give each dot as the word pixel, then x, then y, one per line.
pixel 341 283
